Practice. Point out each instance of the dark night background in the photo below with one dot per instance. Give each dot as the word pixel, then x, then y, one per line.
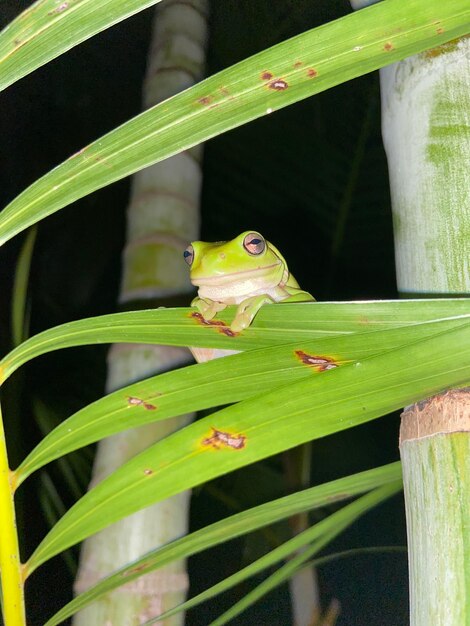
pixel 312 178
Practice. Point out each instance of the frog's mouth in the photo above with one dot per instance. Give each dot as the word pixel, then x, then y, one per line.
pixel 233 277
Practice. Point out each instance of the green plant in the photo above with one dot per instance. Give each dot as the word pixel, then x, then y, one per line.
pixel 380 367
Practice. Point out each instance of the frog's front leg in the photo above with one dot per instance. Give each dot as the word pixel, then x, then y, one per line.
pixel 247 310
pixel 208 308
pixel 297 295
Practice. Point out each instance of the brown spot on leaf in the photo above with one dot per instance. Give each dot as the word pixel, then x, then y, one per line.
pixel 134 570
pixel 321 363
pixel 205 100
pixel 266 75
pixel 148 471
pixel 219 439
pixel 202 320
pixel 388 46
pixel 298 64
pixel 133 401
pixel 199 317
pixel 312 73
pixel 228 331
pixel 100 159
pixel 224 90
pixel 439 31
pixel 222 327
pixel 278 85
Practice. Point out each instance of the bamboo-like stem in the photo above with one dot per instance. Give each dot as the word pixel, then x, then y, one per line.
pixel 303 585
pixel 435 451
pixel 10 566
pixel 426 115
pixel 163 216
pixel 426 109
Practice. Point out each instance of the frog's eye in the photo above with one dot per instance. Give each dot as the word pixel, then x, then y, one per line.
pixel 188 255
pixel 254 243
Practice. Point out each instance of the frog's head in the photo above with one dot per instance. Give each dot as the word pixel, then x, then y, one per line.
pixel 246 265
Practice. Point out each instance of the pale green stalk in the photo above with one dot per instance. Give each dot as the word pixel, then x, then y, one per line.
pixel 163 216
pixel 435 452
pixel 426 117
pixel 426 121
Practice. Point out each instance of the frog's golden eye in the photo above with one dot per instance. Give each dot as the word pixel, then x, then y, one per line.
pixel 254 243
pixel 188 255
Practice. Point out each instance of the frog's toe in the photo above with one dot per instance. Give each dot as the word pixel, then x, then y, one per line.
pixel 241 322
pixel 208 314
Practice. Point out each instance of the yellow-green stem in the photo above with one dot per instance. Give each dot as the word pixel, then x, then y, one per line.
pixel 10 566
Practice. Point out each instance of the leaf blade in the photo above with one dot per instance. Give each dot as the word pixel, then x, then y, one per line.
pixel 235 526
pixel 346 396
pixel 49 28
pixel 330 54
pixel 331 527
pixel 211 384
pixel 280 323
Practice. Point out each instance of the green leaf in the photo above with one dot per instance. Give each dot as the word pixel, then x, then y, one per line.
pixel 291 71
pixel 53 507
pixel 50 27
pixel 209 384
pixel 277 324
pixel 68 467
pixel 232 527
pixel 318 535
pixel 262 426
pixel 19 308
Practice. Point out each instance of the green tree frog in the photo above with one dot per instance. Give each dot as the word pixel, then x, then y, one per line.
pixel 248 271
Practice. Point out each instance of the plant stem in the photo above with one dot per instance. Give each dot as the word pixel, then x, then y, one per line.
pixel 163 217
pixel 425 104
pixel 10 566
pixel 435 451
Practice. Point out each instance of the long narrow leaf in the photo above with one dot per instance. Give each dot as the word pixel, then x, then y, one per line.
pixel 291 71
pixel 19 308
pixel 276 324
pixel 50 27
pixel 215 383
pixel 262 426
pixel 235 526
pixel 318 536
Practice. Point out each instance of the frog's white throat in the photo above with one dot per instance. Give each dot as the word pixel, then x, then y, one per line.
pixel 236 287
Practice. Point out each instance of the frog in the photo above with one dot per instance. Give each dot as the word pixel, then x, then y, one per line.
pixel 248 271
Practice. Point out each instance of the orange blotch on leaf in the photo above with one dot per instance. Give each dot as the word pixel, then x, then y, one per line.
pixel 205 100
pixel 218 439
pixel 133 401
pixel 320 363
pixel 134 570
pixel 221 326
